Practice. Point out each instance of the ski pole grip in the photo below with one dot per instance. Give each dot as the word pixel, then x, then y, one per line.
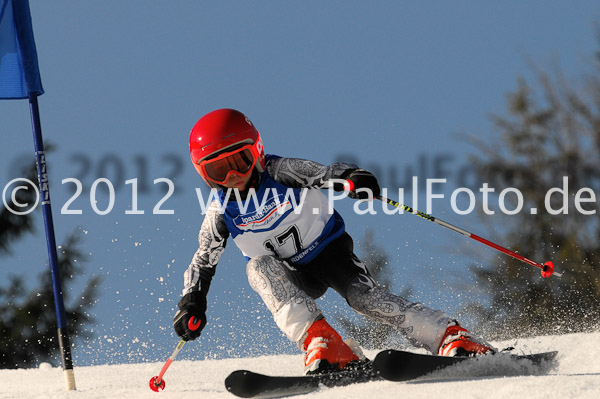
pixel 194 325
pixel 349 185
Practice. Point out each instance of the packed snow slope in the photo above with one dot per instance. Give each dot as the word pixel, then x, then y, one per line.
pixel 575 375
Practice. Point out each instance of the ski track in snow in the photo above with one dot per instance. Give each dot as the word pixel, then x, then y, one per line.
pixel 576 375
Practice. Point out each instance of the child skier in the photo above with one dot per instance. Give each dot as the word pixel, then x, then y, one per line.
pixel 295 253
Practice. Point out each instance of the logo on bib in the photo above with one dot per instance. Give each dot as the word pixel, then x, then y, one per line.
pixel 264 216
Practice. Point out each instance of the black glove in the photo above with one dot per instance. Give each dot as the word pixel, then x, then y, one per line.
pixel 192 305
pixel 360 178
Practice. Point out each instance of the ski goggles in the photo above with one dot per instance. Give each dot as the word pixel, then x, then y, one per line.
pixel 238 162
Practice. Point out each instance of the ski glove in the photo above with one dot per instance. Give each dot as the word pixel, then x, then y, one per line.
pixel 192 305
pixel 361 179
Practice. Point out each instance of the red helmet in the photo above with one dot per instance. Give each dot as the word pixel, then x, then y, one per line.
pixel 225 142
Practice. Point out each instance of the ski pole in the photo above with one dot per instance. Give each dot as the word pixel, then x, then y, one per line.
pixel 547 268
pixel 157 382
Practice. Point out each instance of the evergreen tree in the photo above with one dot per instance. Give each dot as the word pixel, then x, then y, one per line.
pixel 28 324
pixel 12 226
pixel 552 130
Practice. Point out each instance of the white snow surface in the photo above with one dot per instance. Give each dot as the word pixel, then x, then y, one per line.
pixel 576 374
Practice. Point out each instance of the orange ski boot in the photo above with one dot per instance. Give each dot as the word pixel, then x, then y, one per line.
pixel 325 350
pixel 458 341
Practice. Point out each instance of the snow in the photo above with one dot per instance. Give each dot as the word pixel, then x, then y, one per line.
pixel 576 375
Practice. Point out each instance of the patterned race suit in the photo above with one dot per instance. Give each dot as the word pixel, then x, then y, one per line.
pixel 297 248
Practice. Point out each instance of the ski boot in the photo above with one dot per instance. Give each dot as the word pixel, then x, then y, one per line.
pixel 458 341
pixel 325 350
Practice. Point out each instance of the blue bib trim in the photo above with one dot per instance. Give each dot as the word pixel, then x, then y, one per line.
pixel 269 218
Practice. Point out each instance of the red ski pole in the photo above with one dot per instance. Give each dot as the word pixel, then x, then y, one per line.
pixel 546 268
pixel 157 383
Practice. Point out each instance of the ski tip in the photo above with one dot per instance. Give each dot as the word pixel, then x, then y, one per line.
pixel 387 365
pixel 541 357
pixel 242 383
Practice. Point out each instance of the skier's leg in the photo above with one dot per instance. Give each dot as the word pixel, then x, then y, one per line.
pixel 422 326
pixel 296 313
pixel 293 310
pixel 344 272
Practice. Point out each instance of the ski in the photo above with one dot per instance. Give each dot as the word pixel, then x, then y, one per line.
pixel 248 384
pixel 397 365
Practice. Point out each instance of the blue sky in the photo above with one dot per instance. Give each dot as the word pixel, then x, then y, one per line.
pixel 389 84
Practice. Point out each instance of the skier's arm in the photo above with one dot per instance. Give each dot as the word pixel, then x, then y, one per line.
pixel 212 239
pixel 298 173
pixel 211 243
pixel 295 172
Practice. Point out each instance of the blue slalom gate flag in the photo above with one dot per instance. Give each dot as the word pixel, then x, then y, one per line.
pixel 20 79
pixel 19 72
